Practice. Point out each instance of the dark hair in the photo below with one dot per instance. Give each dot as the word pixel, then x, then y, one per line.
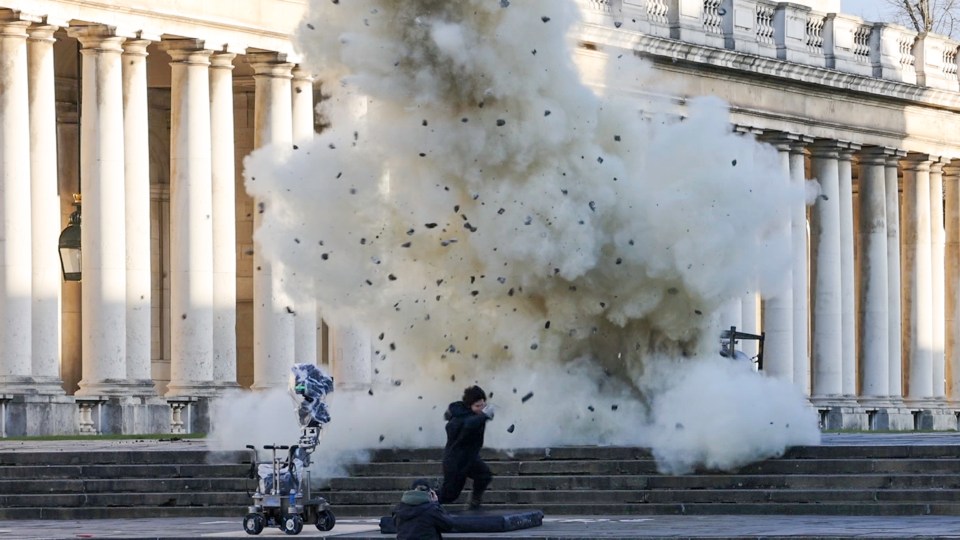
pixel 473 394
pixel 420 484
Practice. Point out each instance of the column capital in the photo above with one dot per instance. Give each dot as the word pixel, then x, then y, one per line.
pixel 847 152
pixel 270 64
pixel 918 162
pixel 951 170
pixel 783 140
pixel 42 32
pixel 136 47
pixel 16 17
pixel 831 148
pixel 745 130
pixel 222 60
pixel 877 155
pixel 936 166
pixel 301 74
pixel 98 36
pixel 187 51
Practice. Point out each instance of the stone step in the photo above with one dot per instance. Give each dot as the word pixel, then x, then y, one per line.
pixel 532 498
pixel 635 453
pixel 858 480
pixel 192 470
pixel 171 499
pixel 131 485
pixel 589 509
pixel 733 481
pixel 124 457
pixel 129 512
pixel 581 467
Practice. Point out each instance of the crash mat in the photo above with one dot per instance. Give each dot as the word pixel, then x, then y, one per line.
pixel 482 521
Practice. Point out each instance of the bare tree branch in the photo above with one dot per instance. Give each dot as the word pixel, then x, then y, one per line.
pixel 909 11
pixel 936 16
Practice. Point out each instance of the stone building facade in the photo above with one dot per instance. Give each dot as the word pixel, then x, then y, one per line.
pixel 147 109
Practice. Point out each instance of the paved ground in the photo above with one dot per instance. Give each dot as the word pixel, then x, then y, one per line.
pixel 554 527
pixel 565 528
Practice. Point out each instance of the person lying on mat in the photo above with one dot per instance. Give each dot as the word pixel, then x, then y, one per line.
pixel 419 516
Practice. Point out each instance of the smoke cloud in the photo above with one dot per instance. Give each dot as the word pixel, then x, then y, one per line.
pixel 489 218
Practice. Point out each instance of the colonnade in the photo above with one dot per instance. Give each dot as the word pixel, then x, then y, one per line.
pixel 875 281
pixel 865 326
pixel 114 179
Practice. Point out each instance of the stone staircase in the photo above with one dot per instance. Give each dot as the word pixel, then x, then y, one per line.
pixel 835 480
pixel 123 484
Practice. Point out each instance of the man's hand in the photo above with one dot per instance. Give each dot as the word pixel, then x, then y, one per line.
pixel 489 410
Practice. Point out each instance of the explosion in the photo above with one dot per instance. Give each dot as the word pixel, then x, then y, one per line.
pixel 487 217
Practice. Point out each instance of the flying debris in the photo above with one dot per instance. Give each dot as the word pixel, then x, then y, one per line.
pixel 527 397
pixel 511 428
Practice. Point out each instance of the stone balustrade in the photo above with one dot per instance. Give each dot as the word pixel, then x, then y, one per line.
pixel 793 33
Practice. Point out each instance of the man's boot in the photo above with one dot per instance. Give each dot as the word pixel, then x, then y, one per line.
pixel 476 500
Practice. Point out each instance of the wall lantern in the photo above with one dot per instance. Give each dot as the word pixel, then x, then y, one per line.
pixel 70 244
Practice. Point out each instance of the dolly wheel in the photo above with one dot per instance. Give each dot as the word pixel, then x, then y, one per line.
pixel 326 520
pixel 292 524
pixel 253 523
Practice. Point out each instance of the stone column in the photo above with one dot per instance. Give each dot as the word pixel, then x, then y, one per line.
pixel 848 314
pixel 191 223
pixel 778 305
pixel 273 325
pixel 224 221
pixel 351 348
pixel 798 223
pixel 136 146
pixel 951 193
pixel 826 281
pixel 103 234
pixel 15 222
pixel 872 330
pixel 894 314
pixel 305 321
pixel 937 240
pixel 917 274
pixel 44 211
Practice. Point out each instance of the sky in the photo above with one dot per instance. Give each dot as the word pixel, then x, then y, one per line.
pixel 871 10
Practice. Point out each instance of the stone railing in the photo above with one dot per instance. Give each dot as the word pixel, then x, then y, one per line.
pixel 793 33
pixel 99 415
pixel 4 400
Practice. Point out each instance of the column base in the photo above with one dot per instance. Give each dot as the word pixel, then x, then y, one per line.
pixel 49 386
pixel 225 386
pixel 118 388
pixel 18 384
pixel 192 389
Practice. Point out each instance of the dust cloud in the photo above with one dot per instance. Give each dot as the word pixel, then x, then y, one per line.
pixel 487 217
